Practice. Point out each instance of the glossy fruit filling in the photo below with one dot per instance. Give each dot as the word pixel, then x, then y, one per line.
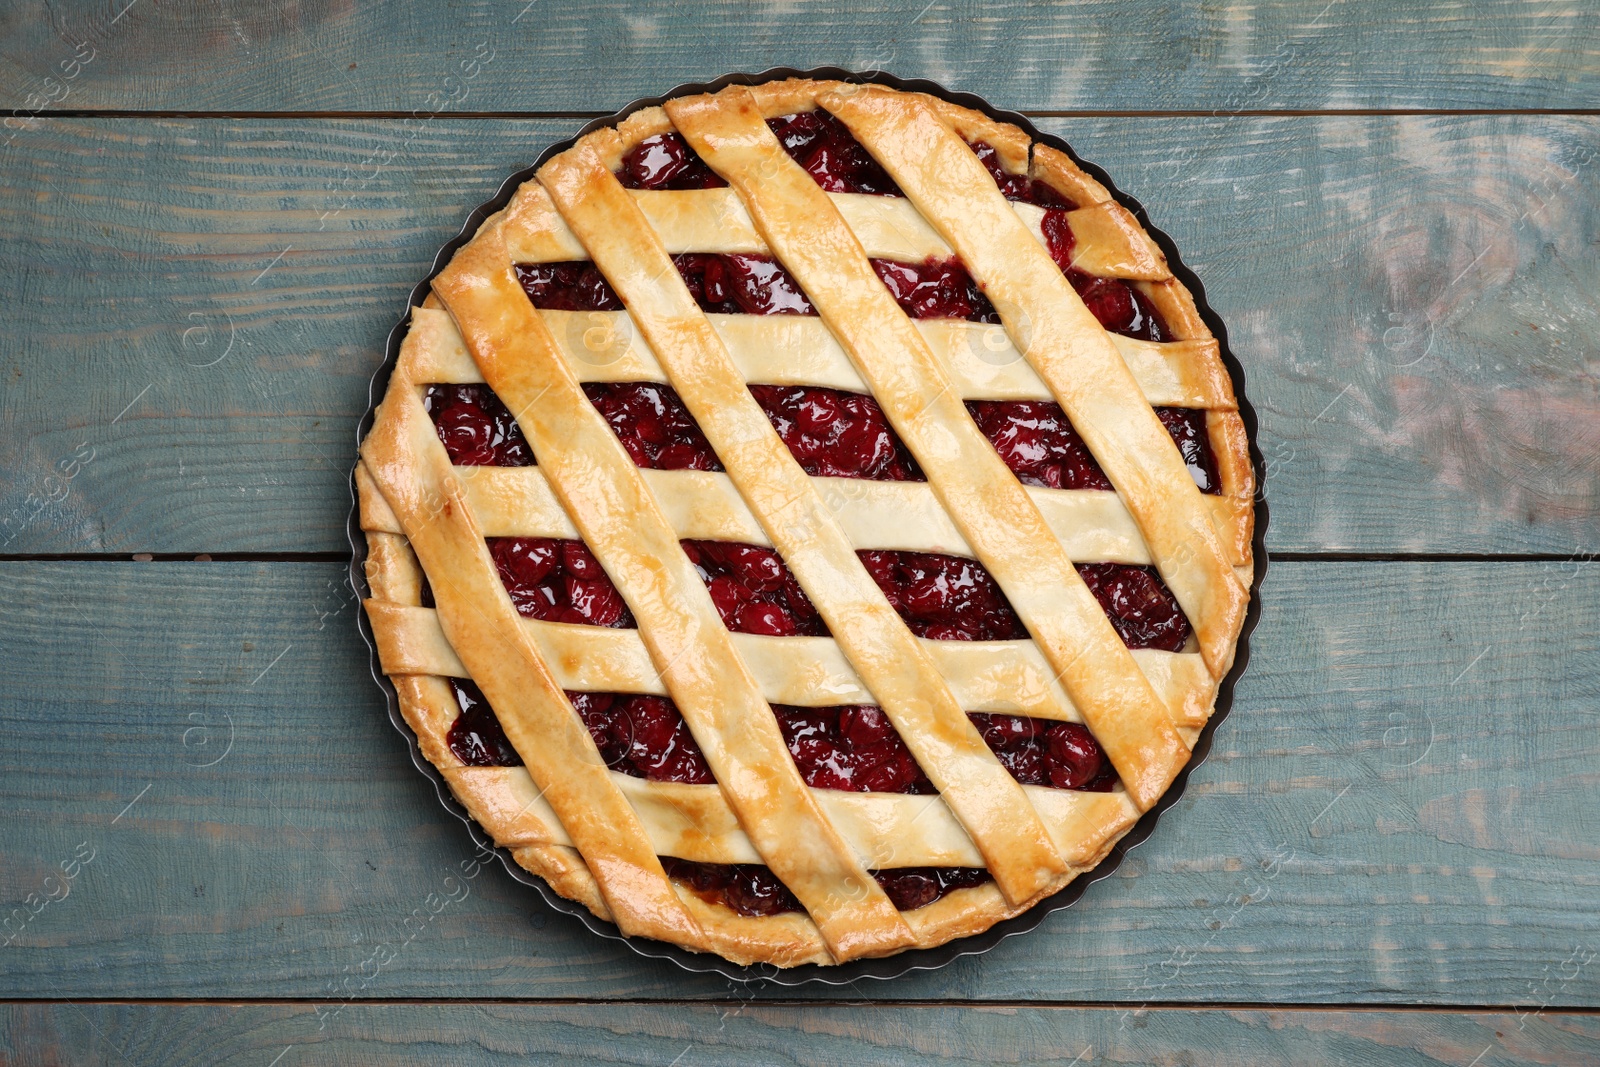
pixel 653 425
pixel 475 427
pixel 753 890
pixel 837 434
pixel 666 161
pixel 749 284
pixel 1141 608
pixel 1019 187
pixel 558 581
pixel 1039 444
pixel 476 737
pixel 753 590
pixel 643 736
pixel 572 285
pixel 944 598
pixel 1061 755
pixel 1115 304
pixel 827 150
pixel 832 433
pixel 852 747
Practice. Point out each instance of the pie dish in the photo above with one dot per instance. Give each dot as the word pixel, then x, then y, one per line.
pixel 809 522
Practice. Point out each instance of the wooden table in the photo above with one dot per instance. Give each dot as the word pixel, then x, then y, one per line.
pixel 212 216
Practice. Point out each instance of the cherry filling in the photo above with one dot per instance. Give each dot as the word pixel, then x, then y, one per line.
pixel 666 161
pixel 1019 187
pixel 951 598
pixel 653 425
pixel 827 150
pixel 853 747
pixel 574 285
pixel 1188 429
pixel 1038 442
pixel 946 598
pixel 935 289
pixel 476 737
pixel 753 590
pixel 837 434
pixel 1062 755
pixel 642 736
pixel 1115 304
pixel 1141 608
pixel 753 890
pixel 740 283
pixel 558 581
pixel 749 284
pixel 475 427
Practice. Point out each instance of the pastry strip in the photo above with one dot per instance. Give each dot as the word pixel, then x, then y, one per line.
pixel 1092 526
pixel 1002 677
pixel 1108 242
pixel 406 460
pixel 602 346
pixel 983 497
pixel 906 682
pixel 1065 344
pixel 610 504
pixel 693 822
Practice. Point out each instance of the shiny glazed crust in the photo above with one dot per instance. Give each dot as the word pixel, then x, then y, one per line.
pixel 594 834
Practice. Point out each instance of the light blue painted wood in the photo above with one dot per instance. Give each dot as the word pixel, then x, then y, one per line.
pixel 197 305
pixel 595 57
pixel 1399 810
pixel 172 1035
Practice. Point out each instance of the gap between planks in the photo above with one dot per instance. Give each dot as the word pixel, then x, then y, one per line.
pixel 344 557
pixel 135 113
pixel 839 1002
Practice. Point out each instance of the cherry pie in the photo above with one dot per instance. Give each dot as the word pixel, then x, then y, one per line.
pixel 808 522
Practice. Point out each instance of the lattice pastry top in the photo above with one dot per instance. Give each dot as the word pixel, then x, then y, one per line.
pixel 808 522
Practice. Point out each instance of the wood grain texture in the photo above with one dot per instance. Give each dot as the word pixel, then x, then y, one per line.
pixel 199 304
pixel 596 57
pixel 401 1034
pixel 1399 809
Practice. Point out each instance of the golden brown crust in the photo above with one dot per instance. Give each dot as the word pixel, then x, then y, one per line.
pixel 517 813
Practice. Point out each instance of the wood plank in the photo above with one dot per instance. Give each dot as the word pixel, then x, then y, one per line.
pixel 1408 297
pixel 401 1034
pixel 1399 809
pixel 1300 54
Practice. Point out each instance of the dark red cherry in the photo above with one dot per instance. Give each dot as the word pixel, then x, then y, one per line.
pixel 476 736
pixel 1188 429
pixel 1072 757
pixel 569 286
pixel 836 434
pixel 1037 441
pixel 653 425
pixel 935 289
pixel 829 152
pixel 558 581
pixel 1139 605
pixel 1059 239
pixel 851 747
pixel 1039 752
pixel 643 736
pixel 666 161
pixel 753 590
pixel 748 888
pixel 944 598
pixel 760 286
pixel 1018 187
pixel 475 427
pixel 1119 307
pixel 910 888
